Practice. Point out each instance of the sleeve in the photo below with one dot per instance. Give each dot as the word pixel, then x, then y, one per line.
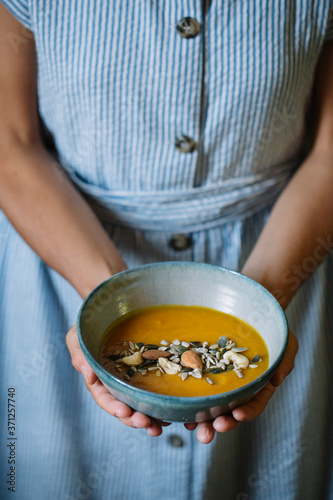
pixel 329 31
pixel 20 9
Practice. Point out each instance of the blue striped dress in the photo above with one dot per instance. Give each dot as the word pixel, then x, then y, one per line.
pixel 187 118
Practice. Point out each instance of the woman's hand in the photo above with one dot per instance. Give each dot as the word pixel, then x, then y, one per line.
pixel 251 410
pixel 101 395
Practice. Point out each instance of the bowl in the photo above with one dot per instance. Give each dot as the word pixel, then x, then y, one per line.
pixel 182 283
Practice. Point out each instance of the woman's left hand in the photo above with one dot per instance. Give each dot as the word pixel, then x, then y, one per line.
pixel 251 410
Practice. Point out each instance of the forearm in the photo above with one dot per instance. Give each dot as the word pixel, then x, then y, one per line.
pixel 53 218
pixel 298 234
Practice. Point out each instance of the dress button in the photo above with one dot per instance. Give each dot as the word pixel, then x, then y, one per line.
pixel 175 441
pixel 185 144
pixel 180 242
pixel 188 27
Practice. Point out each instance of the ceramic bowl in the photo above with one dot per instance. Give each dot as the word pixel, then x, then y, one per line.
pixel 183 283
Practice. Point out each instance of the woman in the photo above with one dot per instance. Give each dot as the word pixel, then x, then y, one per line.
pixel 179 127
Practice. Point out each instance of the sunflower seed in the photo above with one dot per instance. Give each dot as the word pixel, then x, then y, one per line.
pixel 185 344
pixel 126 377
pixel 131 345
pixel 239 349
pixel 239 373
pixel 164 348
pixel 218 355
pixel 205 344
pixel 139 345
pixel 253 366
pixel 119 369
pixel 176 342
pixel 125 343
pixel 184 375
pixel 222 341
pixel 208 364
pixel 142 349
pixel 195 374
pixel 143 372
pixel 151 368
pixel 158 373
pixel 209 380
pixel 164 342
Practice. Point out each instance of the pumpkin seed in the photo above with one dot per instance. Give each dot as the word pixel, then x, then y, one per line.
pixel 114 357
pixel 180 349
pixel 256 358
pixel 229 367
pixel 152 346
pixel 147 363
pixel 216 370
pixel 239 349
pixel 195 343
pixel 139 345
pixel 130 372
pixel 222 341
pixel 185 369
pixel 223 351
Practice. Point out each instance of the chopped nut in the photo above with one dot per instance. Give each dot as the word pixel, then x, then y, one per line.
pixel 155 354
pixel 191 359
pixel 169 367
pixel 134 360
pixel 234 357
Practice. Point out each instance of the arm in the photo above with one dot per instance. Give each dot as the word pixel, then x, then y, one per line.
pixel 45 208
pixel 298 235
pixel 296 239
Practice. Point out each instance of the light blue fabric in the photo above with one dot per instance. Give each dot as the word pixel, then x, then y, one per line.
pixel 117 85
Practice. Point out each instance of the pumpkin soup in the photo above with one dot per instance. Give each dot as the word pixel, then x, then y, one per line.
pixel 183 350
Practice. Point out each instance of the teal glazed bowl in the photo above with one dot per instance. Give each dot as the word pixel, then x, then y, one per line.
pixel 182 283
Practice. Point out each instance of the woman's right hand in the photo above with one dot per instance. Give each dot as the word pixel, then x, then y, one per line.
pixel 102 396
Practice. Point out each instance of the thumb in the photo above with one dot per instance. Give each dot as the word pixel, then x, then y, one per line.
pixel 78 360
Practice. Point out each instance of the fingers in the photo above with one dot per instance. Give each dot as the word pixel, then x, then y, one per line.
pixel 78 360
pixel 225 423
pixel 256 406
pixel 102 396
pixel 288 361
pixel 205 432
pixel 190 426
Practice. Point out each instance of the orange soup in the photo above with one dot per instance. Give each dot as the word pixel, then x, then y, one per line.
pixel 183 350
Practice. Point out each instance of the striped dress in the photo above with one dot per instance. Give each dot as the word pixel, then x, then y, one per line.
pixel 181 123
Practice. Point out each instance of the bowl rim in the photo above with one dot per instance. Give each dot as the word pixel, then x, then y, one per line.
pixel 182 400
